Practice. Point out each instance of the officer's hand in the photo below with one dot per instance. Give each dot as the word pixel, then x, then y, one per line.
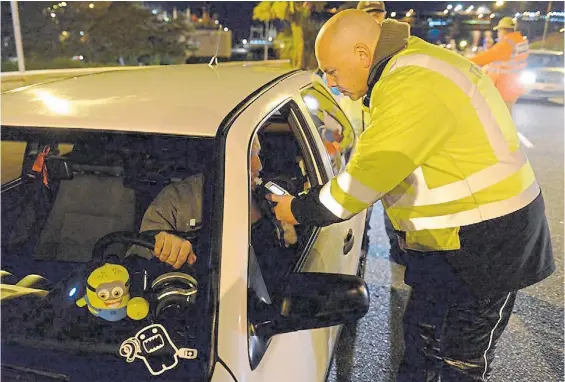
pixel 173 250
pixel 282 209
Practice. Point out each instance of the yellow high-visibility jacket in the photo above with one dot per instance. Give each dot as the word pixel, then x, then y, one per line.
pixel 441 151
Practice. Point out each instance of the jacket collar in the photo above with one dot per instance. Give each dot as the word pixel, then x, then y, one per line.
pixel 393 39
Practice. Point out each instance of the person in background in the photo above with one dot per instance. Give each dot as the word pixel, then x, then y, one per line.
pixel 374 8
pixel 506 60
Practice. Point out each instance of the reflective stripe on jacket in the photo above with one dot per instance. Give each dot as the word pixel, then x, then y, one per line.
pixel 441 151
pixel 506 60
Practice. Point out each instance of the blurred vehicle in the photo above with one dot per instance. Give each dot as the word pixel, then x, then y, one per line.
pixel 544 77
pixel 87 155
pixel 207 43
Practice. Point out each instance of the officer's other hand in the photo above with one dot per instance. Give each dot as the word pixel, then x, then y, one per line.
pixel 173 250
pixel 282 209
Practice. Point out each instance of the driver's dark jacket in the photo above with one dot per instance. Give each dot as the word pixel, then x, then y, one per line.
pixel 179 205
pixel 174 208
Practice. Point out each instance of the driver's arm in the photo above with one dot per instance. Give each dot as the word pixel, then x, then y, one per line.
pixel 174 209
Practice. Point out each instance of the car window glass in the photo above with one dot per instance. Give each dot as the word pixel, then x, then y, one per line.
pixel 76 187
pixel 333 126
pixel 12 160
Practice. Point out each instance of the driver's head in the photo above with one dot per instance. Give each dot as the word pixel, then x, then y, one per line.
pixel 255 165
pixel 345 47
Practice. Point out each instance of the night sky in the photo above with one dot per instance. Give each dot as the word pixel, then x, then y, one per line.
pixel 237 15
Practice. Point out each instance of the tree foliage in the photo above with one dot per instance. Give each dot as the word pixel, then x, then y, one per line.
pixel 102 32
pixel 298 17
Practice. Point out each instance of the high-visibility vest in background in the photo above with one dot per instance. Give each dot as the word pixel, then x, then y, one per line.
pixel 441 151
pixel 506 61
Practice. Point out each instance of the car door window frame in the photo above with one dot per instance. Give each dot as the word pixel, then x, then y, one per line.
pixel 322 91
pixel 317 176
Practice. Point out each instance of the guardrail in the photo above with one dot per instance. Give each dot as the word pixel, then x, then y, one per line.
pixel 14 80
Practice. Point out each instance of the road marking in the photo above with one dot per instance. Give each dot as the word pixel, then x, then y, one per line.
pixel 525 141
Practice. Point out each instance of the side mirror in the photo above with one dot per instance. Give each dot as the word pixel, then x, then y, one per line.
pixel 316 300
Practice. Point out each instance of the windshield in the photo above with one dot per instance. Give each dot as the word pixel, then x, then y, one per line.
pixel 80 286
pixel 545 61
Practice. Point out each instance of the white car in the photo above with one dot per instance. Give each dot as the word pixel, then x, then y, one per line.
pixel 544 77
pixel 82 159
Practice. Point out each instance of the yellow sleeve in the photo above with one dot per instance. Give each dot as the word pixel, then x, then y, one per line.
pixel 499 52
pixel 81 302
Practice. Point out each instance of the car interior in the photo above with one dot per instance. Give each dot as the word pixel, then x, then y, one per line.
pixel 68 212
pixel 74 190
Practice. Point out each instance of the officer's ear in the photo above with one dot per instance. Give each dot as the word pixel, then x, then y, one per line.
pixel 363 54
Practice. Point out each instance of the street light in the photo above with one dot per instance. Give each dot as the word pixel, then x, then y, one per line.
pixel 91 5
pixel 480 15
pixel 216 22
pixel 63 4
pixel 481 10
pixel 82 33
pixel 492 15
pixel 471 7
pixel 445 12
pixel 53 15
pixel 226 29
pixel 458 7
pixel 463 44
pixel 393 14
pixel 449 6
pixel 499 3
pixel 244 41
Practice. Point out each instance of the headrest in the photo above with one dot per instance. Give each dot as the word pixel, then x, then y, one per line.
pixel 60 168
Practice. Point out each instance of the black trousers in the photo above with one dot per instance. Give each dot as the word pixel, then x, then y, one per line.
pixel 450 334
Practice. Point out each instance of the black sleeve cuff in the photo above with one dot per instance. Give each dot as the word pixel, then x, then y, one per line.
pixel 307 209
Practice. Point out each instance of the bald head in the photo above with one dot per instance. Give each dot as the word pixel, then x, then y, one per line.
pixel 345 47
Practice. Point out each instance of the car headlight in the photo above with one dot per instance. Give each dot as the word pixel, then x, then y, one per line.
pixel 528 77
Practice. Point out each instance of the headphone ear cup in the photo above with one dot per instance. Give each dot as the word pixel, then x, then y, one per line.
pixel 170 304
pixel 174 292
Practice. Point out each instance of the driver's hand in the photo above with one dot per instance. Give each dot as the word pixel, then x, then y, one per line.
pixel 173 250
pixel 290 237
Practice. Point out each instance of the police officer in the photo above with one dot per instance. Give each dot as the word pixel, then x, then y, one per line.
pixel 506 60
pixel 442 153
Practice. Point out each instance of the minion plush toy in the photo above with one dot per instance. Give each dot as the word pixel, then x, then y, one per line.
pixel 107 295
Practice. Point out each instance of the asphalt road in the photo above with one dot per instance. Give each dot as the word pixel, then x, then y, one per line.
pixel 531 348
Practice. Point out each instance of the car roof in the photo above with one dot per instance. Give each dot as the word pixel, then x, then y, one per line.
pixel 180 99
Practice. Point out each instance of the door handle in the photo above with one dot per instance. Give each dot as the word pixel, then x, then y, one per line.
pixel 348 242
